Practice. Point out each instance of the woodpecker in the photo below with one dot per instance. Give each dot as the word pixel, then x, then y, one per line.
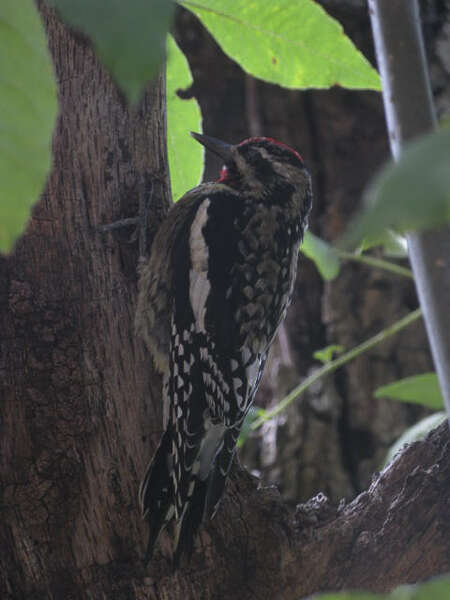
pixel 211 298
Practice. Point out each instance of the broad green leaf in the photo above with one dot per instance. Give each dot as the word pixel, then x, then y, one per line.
pixel 415 433
pixel 183 116
pixel 293 44
pixel 420 389
pixel 326 355
pixel 412 194
pixel 129 37
pixel 436 589
pixel 253 414
pixel 28 109
pixel 323 255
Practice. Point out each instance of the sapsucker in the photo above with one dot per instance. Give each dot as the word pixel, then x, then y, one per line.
pixel 211 298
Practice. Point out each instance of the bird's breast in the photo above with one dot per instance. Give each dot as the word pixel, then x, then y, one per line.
pixel 263 274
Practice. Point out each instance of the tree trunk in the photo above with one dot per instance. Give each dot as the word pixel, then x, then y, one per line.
pixel 82 411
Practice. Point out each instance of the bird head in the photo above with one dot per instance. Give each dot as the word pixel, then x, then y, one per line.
pixel 260 166
pixel 263 168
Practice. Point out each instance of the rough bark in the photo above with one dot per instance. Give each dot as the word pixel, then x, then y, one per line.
pixel 78 419
pixel 81 410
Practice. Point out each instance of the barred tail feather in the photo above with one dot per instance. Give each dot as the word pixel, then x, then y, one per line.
pixel 192 483
pixel 156 493
pixel 186 484
pixel 190 521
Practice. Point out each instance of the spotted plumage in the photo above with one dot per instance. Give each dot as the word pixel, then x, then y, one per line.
pixel 211 298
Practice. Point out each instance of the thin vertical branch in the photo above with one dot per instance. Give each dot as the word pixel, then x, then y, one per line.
pixel 410 113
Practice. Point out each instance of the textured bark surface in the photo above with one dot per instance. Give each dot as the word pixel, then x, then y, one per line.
pixel 76 390
pixel 81 409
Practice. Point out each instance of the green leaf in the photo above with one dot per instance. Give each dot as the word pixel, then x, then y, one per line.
pixel 436 589
pixel 253 414
pixel 416 432
pixel 394 245
pixel 348 596
pixel 420 389
pixel 326 355
pixel 28 109
pixel 129 37
pixel 293 44
pixel 323 255
pixel 185 154
pixel 412 194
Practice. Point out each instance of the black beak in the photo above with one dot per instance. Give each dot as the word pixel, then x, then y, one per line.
pixel 220 148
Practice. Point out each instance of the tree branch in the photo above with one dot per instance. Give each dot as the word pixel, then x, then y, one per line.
pixel 398 531
pixel 410 112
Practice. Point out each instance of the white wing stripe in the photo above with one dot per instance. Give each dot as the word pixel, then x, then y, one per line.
pixel 199 285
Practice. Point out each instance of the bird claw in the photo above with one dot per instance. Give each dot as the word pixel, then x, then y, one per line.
pixel 140 222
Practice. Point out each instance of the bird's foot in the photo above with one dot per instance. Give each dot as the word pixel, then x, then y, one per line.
pixel 140 222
